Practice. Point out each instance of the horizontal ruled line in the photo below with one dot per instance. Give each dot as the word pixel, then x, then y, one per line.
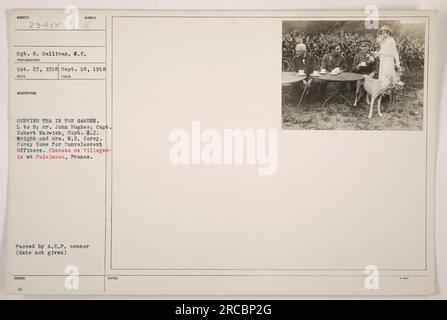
pixel 54 46
pixel 80 62
pixel 217 275
pixel 59 79
pixel 59 30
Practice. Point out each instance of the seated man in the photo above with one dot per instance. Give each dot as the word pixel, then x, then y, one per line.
pixel 364 61
pixel 303 60
pixel 334 59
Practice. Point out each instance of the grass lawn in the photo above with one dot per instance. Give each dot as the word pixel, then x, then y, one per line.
pixel 405 114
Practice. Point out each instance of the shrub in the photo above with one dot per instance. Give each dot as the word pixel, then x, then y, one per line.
pixel 411 51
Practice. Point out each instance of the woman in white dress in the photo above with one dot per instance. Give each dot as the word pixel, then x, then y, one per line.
pixel 389 57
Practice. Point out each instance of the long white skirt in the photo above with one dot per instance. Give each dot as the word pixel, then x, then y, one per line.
pixel 386 68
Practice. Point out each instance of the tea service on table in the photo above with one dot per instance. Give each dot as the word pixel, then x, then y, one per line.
pixel 335 71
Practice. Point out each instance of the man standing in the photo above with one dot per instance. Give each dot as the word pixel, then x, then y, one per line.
pixel 334 59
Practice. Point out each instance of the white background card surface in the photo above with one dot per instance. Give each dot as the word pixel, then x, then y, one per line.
pixel 122 179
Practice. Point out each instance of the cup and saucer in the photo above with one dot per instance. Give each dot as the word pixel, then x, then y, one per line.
pixel 316 73
pixel 323 71
pixel 335 71
pixel 301 72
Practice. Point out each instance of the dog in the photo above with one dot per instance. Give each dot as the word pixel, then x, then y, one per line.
pixel 376 88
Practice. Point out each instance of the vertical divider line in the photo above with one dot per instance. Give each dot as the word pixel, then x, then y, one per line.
pixel 105 156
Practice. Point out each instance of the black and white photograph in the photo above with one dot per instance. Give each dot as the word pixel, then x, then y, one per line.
pixel 348 75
